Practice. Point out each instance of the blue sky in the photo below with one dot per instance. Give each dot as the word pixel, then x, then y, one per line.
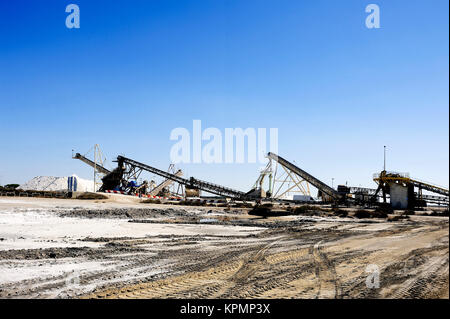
pixel 134 71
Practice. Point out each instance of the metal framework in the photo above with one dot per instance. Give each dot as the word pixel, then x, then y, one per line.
pixel 383 178
pixel 439 200
pixel 94 165
pixel 286 182
pixel 301 175
pixel 132 168
pixel 97 164
pixel 167 182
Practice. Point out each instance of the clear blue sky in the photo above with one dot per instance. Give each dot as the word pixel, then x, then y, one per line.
pixel 135 70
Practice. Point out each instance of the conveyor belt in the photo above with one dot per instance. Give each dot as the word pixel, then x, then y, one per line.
pixel 430 187
pixel 163 184
pixel 306 176
pixel 98 167
pixel 192 182
pixel 433 199
pixel 384 177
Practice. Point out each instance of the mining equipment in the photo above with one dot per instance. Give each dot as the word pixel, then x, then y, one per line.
pixel 163 188
pixel 327 193
pixel 98 163
pixel 257 190
pixel 96 166
pixel 401 189
pixel 125 181
pixel 129 169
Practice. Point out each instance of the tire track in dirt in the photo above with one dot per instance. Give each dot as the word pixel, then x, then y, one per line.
pixel 252 275
pixel 328 283
pixel 421 281
pixel 250 266
pixel 173 286
pixel 224 280
pixel 299 265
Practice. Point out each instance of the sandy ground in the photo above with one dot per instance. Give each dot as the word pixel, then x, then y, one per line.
pixel 120 248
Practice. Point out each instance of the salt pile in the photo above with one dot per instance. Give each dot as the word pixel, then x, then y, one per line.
pixel 45 183
pixel 51 183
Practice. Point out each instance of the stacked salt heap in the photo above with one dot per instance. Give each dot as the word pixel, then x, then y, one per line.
pixel 51 183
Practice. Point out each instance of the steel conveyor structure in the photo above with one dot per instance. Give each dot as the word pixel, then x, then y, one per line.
pixel 321 186
pixel 86 160
pixel 385 177
pixel 134 166
pixel 430 187
pixel 167 182
pixel 439 200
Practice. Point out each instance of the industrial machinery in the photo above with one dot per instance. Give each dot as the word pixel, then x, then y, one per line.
pixel 401 189
pixel 164 185
pixel 128 169
pixel 327 193
pixel 283 185
pixel 118 179
pixel 96 166
pixel 98 163
pixel 257 190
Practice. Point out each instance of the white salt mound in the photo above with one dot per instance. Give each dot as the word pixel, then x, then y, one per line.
pixel 45 183
pixel 51 183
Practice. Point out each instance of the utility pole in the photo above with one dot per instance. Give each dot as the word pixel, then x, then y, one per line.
pixel 384 166
pixel 332 182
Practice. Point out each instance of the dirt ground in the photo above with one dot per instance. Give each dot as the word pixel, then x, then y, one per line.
pixel 56 248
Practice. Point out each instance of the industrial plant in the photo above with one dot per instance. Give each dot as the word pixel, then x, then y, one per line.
pixel 137 231
pixel 277 180
pixel 240 153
